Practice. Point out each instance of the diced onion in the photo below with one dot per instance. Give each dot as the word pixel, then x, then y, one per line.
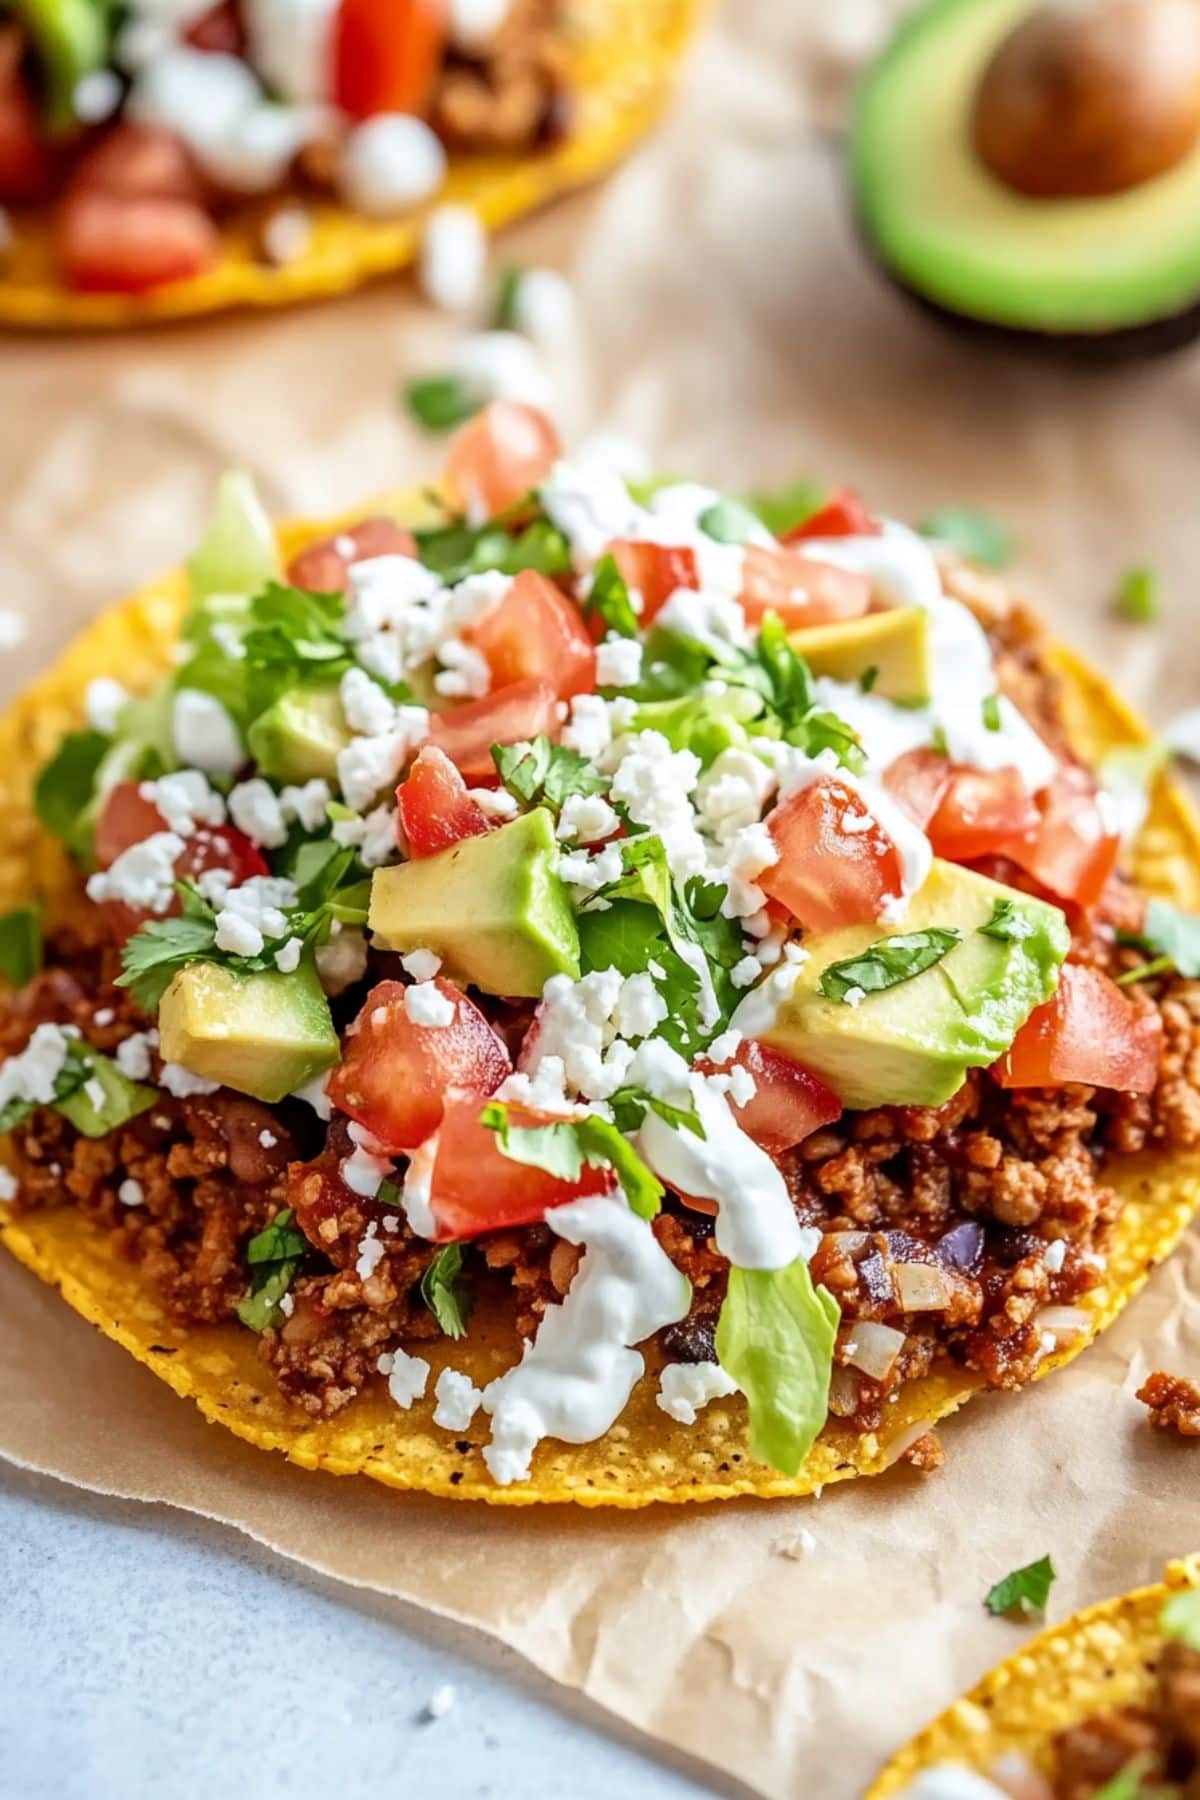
pixel 844 1390
pixel 874 1348
pixel 1065 1322
pixel 848 1242
pixel 921 1287
pixel 910 1436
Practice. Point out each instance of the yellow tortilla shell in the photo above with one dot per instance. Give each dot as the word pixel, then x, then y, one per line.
pixel 1097 1661
pixel 646 1456
pixel 624 57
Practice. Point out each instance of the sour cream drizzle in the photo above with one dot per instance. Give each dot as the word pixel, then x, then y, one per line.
pixel 575 1379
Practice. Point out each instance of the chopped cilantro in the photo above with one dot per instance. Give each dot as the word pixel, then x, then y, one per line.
pixel 1169 935
pixel 868 678
pixel 991 712
pixel 938 740
pixel 439 402
pixel 20 945
pixel 542 771
pixel 564 1147
pixel 1007 923
pixel 273 1257
pixel 631 1104
pixel 507 545
pixel 974 534
pixel 1180 1617
pixel 889 962
pixel 63 791
pixel 292 636
pixel 153 956
pixel 728 522
pixel 609 598
pixel 445 1291
pixel 508 286
pixel 624 935
pixel 1137 596
pixel 1023 1592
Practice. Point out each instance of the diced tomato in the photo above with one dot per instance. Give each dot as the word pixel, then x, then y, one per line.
pixel 655 571
pixel 476 1188
pixel 801 590
pixel 113 246
pixel 386 54
pixel 217 30
pixel 843 515
pixel 967 813
pixel 128 818
pixel 26 168
pixel 917 781
pixel 536 633
pixel 828 876
pixel 433 807
pixel 1072 849
pixel 526 709
pixel 498 456
pixel 1088 1032
pixel 138 162
pixel 395 1074
pixel 324 567
pixel 789 1103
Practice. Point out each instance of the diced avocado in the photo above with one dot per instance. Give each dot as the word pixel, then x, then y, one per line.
pixel 493 908
pixel 112 1100
pixel 71 39
pixel 237 554
pixel 912 1044
pixel 299 737
pixel 895 644
pixel 264 1034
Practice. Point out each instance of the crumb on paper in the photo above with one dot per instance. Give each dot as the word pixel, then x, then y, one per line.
pixel 439 1702
pixel 13 629
pixel 796 1546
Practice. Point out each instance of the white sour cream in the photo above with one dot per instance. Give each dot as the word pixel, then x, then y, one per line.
pixel 576 1377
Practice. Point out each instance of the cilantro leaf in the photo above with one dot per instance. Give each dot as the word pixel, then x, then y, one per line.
pixel 507 288
pixel 445 1291
pixel 457 550
pixel 1023 1592
pixel 76 1069
pixel 540 770
pixel 294 636
pixel 20 945
pixel 889 962
pixel 728 522
pixel 609 598
pixel 439 402
pixel 992 719
pixel 624 936
pixel 1180 1617
pixel 273 1257
pixel 974 534
pixel 775 1338
pixel 562 1149
pixel 782 509
pixel 153 956
pixel 1137 596
pixel 1008 924
pixel 631 1104
pixel 1171 936
pixel 64 789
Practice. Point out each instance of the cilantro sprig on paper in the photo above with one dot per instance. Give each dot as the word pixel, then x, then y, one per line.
pixel 1023 1591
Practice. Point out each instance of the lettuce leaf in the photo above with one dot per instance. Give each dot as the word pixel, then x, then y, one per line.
pixel 775 1338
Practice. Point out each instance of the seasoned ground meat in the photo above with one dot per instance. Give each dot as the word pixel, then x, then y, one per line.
pixel 1174 1403
pixel 1162 1739
pixel 511 93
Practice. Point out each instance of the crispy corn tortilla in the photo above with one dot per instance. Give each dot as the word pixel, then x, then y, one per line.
pixel 646 1456
pixel 624 57
pixel 1099 1660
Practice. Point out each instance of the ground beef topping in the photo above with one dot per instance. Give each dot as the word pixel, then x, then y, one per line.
pixel 1173 1402
pixel 1161 1739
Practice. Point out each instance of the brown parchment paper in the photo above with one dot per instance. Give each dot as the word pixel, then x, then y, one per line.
pixel 732 324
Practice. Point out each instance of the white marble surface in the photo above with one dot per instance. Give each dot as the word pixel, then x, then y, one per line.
pixel 145 1654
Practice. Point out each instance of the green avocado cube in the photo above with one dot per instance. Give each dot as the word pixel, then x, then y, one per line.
pixel 894 647
pixel 493 908
pixel 912 1044
pixel 264 1034
pixel 298 738
pixel 106 1100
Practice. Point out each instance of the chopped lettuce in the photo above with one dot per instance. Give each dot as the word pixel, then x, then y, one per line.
pixel 238 552
pixel 775 1338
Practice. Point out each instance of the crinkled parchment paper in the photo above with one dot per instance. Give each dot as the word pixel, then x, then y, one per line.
pixel 733 325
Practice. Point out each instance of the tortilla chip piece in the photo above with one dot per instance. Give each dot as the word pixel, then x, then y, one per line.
pixel 1096 1661
pixel 624 54
pixel 646 1457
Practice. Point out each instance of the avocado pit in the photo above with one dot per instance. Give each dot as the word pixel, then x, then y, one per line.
pixel 1091 99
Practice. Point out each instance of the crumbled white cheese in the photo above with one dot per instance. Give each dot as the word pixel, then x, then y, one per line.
pixel 184 1082
pixel 458 1400
pixel 255 809
pixel 133 1054
pixel 306 804
pixel 496 803
pixel 31 1075
pixel 367 708
pixel 267 1139
pixel 618 662
pixel 103 1016
pixel 744 973
pixel 422 965
pixel 749 852
pixel 369 764
pixel 131 1192
pixel 287 957
pixel 731 794
pixel 453 257
pixel 368 1165
pixel 426 1005
pixel 588 872
pixel 370 1252
pixel 143 876
pixel 465 672
pixel 204 734
pixel 406 1376
pixel 683 1388
pixel 640 1008
pixel 587 818
pixel 576 1022
pixel 96 96
pixel 390 163
pixel 286 236
pixel 102 703
pixel 252 914
pixel 655 784
pixel 185 800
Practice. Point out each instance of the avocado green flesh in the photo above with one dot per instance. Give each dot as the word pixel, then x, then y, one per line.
pixel 492 907
pixel 950 230
pixel 912 1044
pixel 264 1034
pixel 121 1100
pixel 299 737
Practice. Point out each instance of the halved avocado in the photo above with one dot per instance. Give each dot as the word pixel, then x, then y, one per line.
pixel 1117 270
